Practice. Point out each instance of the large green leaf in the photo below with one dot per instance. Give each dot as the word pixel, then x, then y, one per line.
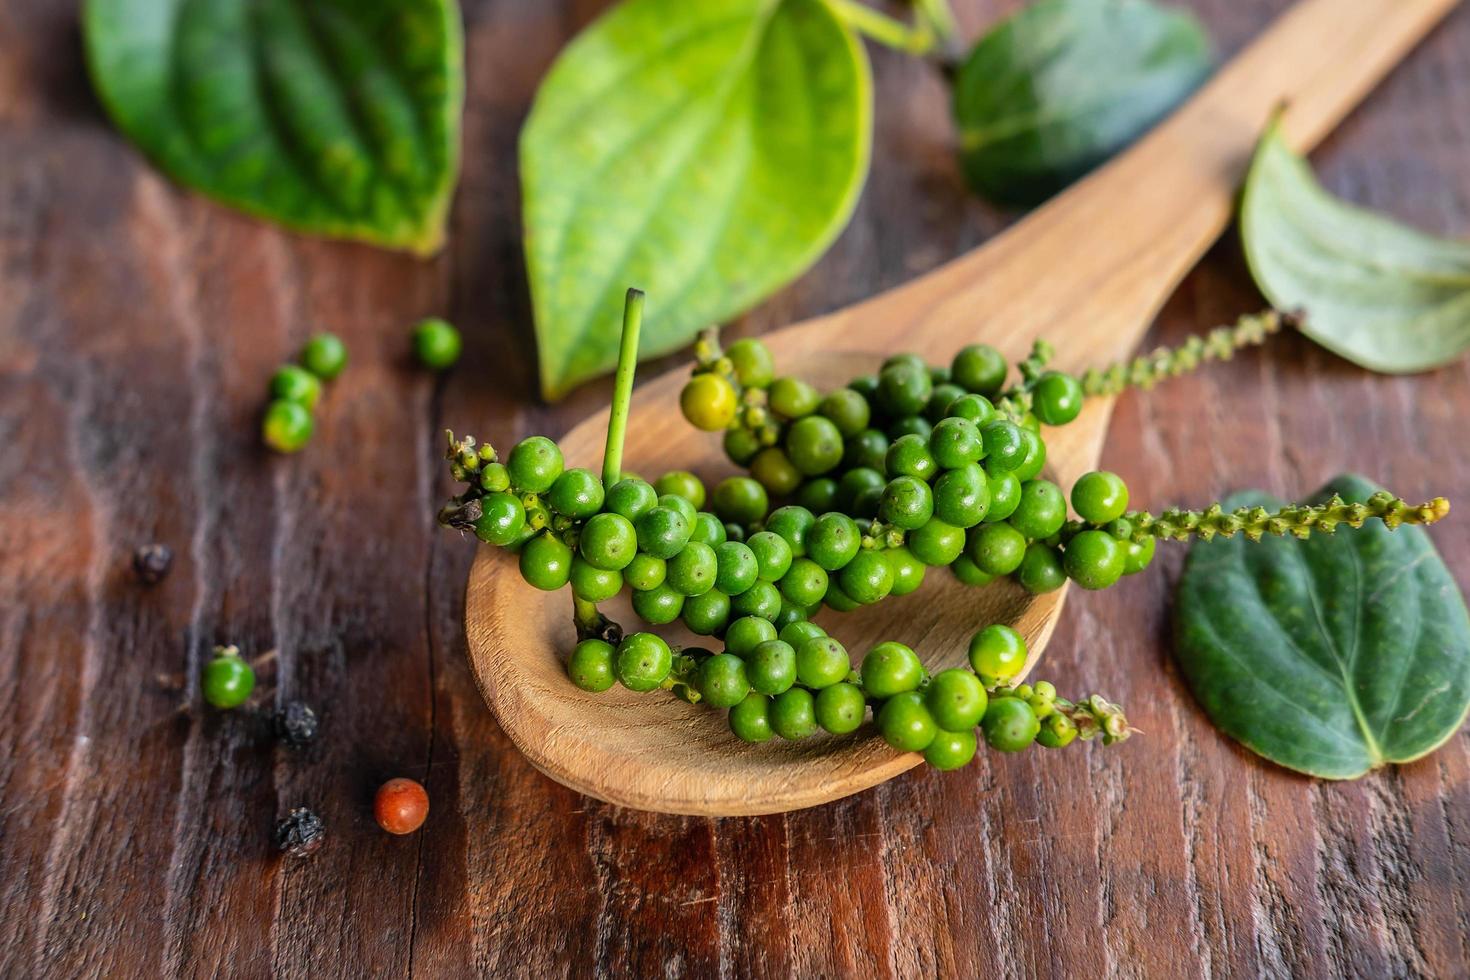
pixel 706 152
pixel 1062 85
pixel 1382 295
pixel 336 117
pixel 1333 655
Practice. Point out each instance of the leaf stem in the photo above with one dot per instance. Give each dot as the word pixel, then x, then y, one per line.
pixel 916 39
pixel 617 421
pixel 940 18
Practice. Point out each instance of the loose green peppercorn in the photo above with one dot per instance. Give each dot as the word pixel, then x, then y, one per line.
pixel 868 448
pixel 793 398
pixel 286 427
pixel 681 483
pixel 740 500
pixel 594 584
pixel 1041 569
pixel 805 583
pixel 738 568
pixel 534 464
pixel 662 532
pixel 956 699
pixel 910 425
pixel 502 518
pixel 1057 398
pixel 907 503
pixel 773 469
pixel 833 540
pixel 847 410
pixel 1094 559
pixel 227 680
pixel 814 444
pixel 997 548
pixel 970 573
pixel 708 530
pixel 1005 496
pixel 706 614
pixel 546 562
pixel 771 667
pixel 951 750
pixel 867 579
pixel 904 389
pixel 976 408
pixel 762 599
pixel 722 681
pixel 1004 447
pixel 821 662
pixel 709 402
pixel 962 496
pixel 591 665
pixel 772 555
pixel 608 541
pixel 891 668
pixel 955 442
pixel 750 720
pixel 296 384
pixel 436 343
pixel 494 477
pixel 630 497
pixel 1100 497
pixel 979 368
pixel 693 570
pixel 1010 725
pixel 577 494
pixel 643 661
pixel 658 606
pixel 793 714
pixel 905 723
pixel 1137 555
pixel 751 358
pixel 937 543
pixel 747 633
pixel 997 653
pixel 741 445
pixel 908 571
pixel 324 356
pixel 1057 731
pixel 819 495
pixel 1042 510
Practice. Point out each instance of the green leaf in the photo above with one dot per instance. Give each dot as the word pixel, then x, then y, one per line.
pixel 1062 85
pixel 704 152
pixel 1333 655
pixel 335 117
pixel 1382 295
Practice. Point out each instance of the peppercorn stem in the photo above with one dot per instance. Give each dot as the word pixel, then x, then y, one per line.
pixel 916 39
pixel 617 422
pixel 1219 344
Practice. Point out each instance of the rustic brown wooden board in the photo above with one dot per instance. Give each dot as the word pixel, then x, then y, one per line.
pixel 138 326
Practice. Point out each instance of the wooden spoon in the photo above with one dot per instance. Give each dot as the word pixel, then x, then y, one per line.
pixel 1088 271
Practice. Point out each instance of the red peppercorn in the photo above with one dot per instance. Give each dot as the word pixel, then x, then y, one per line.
pixel 401 806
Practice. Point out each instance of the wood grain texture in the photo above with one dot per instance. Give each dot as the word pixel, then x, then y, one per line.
pixel 138 327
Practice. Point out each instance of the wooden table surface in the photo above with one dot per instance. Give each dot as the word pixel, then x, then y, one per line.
pixel 138 327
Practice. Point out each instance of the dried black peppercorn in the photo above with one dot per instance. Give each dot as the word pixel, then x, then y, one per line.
pixel 152 562
pixel 296 724
pixel 300 833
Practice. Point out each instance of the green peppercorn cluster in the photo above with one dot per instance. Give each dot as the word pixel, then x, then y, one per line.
pixel 295 390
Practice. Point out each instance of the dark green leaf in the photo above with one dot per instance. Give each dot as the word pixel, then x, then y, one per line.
pixel 336 117
pixel 705 152
pixel 1333 655
pixel 1384 296
pixel 1062 85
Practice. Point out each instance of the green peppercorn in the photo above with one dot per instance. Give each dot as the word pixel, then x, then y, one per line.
pixel 790 612
pixel 1005 449
pixel 502 518
pixel 546 562
pixel 962 496
pixel 1035 459
pixel 1057 731
pixel 436 343
pixel 854 483
pixel 793 398
pixel 833 540
pixel 937 543
pixel 820 662
pixel 762 599
pixel 1005 496
pixel 997 653
pixel 643 661
pixel 771 667
pixel 837 599
pixel 741 445
pixel 708 530
pixel 907 358
pixel 955 442
pixel 707 613
pixel 295 384
pixel 324 356
pixel 1100 497
pixel 867 579
pixel 747 633
pixel 591 665
pixel 910 456
pixel 681 483
pixel 943 395
pixel 996 548
pixel 643 572
pixel 722 681
pixel 630 497
pixel 709 402
pixel 1010 725
pixel 907 503
pixel 976 408
pixel 868 448
pixel 1057 398
pixel 865 385
pixel 750 720
pixel 910 425
pixel 805 583
pixel 904 389
pixel 905 723
pixel 693 570
pixel 740 500
pixel 1042 510
pixel 658 606
pixel 494 478
pixel 608 541
pixel 979 368
pixel 956 699
pixel 1094 559
pixel 891 668
pixel 840 708
pixel 797 633
pixel 793 714
pixel 577 494
pixel 227 680
pixel 847 410
pixel 908 571
pixel 791 523
pixel 738 568
pixel 675 502
pixel 754 366
pixel 593 584
pixel 662 532
pixel 773 469
pixel 772 555
pixel 970 573
pixel 1137 555
pixel 819 495
pixel 814 445
pixel 286 427
pixel 1041 569
pixel 951 750
pixel 534 464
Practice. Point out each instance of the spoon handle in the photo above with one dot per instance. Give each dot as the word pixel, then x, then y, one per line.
pixel 1093 266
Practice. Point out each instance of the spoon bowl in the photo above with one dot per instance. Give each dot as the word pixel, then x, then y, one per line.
pixel 1087 271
